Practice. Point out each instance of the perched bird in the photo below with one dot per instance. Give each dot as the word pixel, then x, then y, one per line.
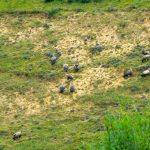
pixel 62 88
pixel 76 67
pixel 146 52
pixel 145 58
pixel 72 88
pixel 128 73
pixel 69 77
pixel 146 73
pixel 66 67
pixel 49 54
pixel 17 135
pixel 53 60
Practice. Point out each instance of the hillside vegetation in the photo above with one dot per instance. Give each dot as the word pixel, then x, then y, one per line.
pixel 107 111
pixel 82 5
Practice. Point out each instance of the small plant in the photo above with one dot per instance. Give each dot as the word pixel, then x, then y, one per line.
pixel 37 24
pixel 3 39
pixel 40 24
pixel 122 35
pixel 45 25
pixel 53 12
pixel 96 49
pixel 117 46
pixel 78 10
pixel 132 6
pixel 114 62
pixel 111 8
pixel 122 24
pixel 96 83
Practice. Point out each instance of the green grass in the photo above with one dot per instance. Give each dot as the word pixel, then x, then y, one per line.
pixel 126 97
pixel 51 133
pixel 20 60
pixel 125 131
pixel 23 67
pixel 39 5
pixel 128 132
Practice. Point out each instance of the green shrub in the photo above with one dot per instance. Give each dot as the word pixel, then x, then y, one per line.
pixel 70 1
pixel 85 1
pixel 53 12
pixel 127 132
pixel 47 1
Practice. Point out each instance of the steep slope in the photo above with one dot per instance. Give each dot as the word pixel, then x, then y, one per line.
pixel 29 96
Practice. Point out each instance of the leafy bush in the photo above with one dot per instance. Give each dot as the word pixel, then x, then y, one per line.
pixel 70 1
pixel 47 1
pixel 53 12
pixel 127 132
pixel 85 1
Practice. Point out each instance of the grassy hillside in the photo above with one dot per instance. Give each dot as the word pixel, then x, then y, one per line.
pixel 40 5
pixel 107 111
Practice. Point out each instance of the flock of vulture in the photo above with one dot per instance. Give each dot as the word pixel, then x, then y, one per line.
pixel 54 57
pixel 146 57
pixel 53 60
